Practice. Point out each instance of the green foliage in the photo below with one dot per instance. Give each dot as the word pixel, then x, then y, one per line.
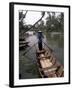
pixel 54 23
pixel 22 26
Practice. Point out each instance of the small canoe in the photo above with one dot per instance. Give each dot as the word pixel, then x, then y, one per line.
pixel 48 64
pixel 23 44
pixel 21 39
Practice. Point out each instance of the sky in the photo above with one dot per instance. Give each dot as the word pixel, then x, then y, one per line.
pixel 33 16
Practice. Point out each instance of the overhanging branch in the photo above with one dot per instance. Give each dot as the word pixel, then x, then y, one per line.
pixel 43 13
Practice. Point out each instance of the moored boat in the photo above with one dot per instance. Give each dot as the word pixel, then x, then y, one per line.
pixel 48 64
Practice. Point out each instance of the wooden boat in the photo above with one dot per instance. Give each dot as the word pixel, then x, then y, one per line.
pixel 23 44
pixel 21 39
pixel 48 64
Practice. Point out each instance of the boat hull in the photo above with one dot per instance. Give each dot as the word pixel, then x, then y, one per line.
pixel 48 64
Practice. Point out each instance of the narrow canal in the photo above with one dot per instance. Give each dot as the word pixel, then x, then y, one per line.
pixel 27 57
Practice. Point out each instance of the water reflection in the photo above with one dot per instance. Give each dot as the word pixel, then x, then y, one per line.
pixel 56 42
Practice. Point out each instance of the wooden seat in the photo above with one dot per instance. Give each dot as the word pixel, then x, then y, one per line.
pixel 42 57
pixel 49 69
pixel 45 63
pixel 40 51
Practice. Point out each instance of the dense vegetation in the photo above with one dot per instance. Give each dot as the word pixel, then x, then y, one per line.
pixel 53 23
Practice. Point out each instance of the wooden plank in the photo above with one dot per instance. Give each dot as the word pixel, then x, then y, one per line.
pixel 45 63
pixel 39 52
pixel 50 68
pixel 48 62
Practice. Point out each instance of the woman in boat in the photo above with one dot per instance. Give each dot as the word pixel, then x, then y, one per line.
pixel 40 38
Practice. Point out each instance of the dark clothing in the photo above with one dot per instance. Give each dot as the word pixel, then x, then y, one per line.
pixel 40 45
pixel 40 36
